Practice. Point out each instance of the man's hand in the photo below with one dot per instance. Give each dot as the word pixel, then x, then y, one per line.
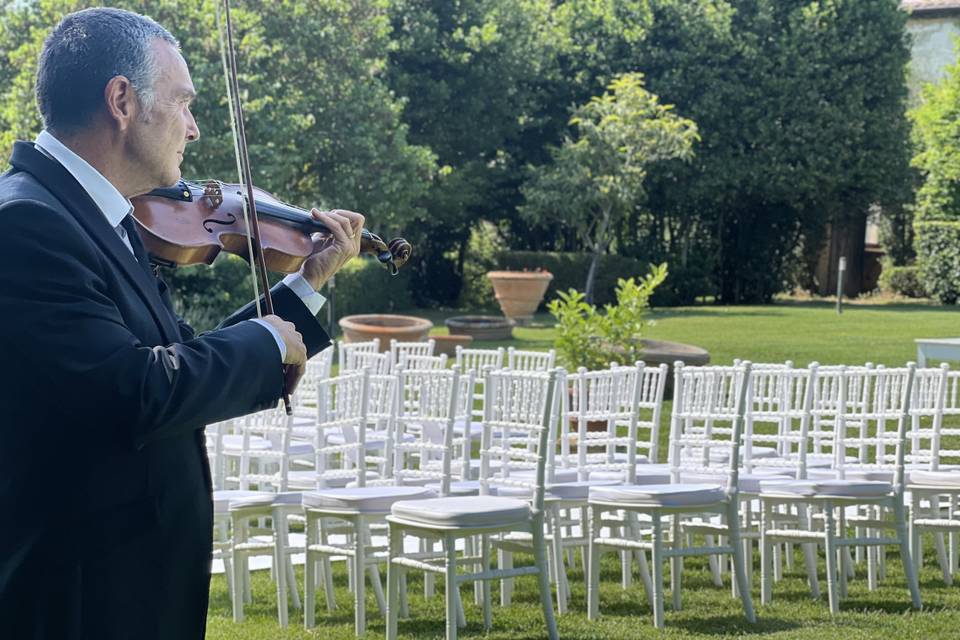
pixel 296 350
pixel 331 252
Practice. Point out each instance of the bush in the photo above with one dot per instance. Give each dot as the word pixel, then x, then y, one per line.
pixel 365 286
pixel 903 281
pixel 588 338
pixel 938 258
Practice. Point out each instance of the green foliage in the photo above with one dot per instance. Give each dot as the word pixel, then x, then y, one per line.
pixel 595 180
pixel 937 213
pixel 471 74
pixel 591 339
pixel 483 251
pixel 364 286
pixel 903 281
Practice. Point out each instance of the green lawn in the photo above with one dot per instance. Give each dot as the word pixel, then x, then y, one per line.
pixel 802 332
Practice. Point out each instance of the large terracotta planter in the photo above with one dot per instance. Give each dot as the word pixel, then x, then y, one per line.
pixel 520 292
pixel 448 344
pixel 386 327
pixel 657 352
pixel 481 327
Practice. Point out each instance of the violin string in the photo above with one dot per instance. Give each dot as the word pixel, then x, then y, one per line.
pixel 236 153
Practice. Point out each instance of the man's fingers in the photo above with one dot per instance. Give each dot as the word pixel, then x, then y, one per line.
pixel 356 219
pixel 339 226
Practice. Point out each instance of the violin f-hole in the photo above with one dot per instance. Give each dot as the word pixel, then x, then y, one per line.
pixel 209 222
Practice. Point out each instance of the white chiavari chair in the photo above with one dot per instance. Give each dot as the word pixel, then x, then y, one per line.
pixel 520 360
pixel 708 413
pixel 399 349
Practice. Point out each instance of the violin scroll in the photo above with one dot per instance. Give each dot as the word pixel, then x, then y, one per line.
pixel 393 255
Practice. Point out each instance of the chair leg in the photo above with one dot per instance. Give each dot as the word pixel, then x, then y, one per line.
pixel 556 548
pixel 451 600
pixel 846 562
pixel 909 569
pixel 394 549
pixel 739 564
pixel 714 561
pixel 485 584
pixel 428 578
pixel 766 555
pixel 676 563
pixel 239 564
pixel 641 558
pixel 327 570
pixel 831 553
pixel 506 585
pixel 805 517
pixel 540 560
pixel 359 578
pixel 657 559
pixel 593 564
pixel 309 575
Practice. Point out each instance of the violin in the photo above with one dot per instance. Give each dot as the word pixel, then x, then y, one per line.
pixel 190 223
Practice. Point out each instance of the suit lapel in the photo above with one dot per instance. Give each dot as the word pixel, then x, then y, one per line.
pixel 52 175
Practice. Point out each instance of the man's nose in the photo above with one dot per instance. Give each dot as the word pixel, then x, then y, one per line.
pixel 193 131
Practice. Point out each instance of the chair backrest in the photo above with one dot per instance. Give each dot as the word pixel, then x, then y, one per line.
pixel 424 412
pixel 376 363
pixel 520 406
pixel 649 409
pixel 602 407
pixel 706 426
pixel 346 351
pixel 263 467
pixel 876 430
pixel 476 361
pixel 346 413
pixel 400 349
pixel 305 399
pixel 779 404
pixel 408 361
pixel 520 360
pixel 927 408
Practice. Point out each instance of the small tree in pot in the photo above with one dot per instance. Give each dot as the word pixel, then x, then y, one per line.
pixel 587 337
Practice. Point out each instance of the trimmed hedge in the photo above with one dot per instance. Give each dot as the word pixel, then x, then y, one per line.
pixel 904 281
pixel 365 286
pixel 938 256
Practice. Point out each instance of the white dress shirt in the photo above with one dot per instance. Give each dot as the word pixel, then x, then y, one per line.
pixel 115 208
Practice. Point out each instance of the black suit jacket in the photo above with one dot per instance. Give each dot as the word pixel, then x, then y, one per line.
pixel 104 483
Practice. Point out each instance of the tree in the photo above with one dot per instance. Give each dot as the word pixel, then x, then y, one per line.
pixel 597 179
pixel 937 212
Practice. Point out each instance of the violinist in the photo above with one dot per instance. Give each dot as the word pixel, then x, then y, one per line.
pixel 105 486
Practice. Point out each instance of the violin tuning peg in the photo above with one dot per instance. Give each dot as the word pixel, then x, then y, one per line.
pixel 212 191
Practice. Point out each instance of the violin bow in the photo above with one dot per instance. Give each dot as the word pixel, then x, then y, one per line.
pixel 254 246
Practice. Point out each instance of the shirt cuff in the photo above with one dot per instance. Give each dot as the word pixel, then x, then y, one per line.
pixel 299 285
pixel 276 336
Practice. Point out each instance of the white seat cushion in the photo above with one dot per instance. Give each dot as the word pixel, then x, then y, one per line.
pixel 223 498
pixel 559 475
pixel 949 478
pixel 458 487
pixel 363 499
pixel 307 479
pixel 469 511
pixel 841 488
pixel 659 495
pixel 646 474
pixel 748 482
pixel 264 499
pixel 576 490
pixel 476 429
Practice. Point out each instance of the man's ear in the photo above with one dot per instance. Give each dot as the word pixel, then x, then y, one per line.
pixel 121 101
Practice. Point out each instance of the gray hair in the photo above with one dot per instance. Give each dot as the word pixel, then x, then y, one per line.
pixel 84 52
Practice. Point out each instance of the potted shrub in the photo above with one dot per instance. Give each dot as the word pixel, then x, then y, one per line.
pixel 587 337
pixel 519 293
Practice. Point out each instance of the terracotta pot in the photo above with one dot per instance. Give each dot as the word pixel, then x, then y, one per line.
pixel 481 327
pixel 520 292
pixel 361 328
pixel 657 352
pixel 449 344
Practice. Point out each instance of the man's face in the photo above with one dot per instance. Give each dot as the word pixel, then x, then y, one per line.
pixel 159 134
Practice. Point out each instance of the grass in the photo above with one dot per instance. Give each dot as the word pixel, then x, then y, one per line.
pixel 801 332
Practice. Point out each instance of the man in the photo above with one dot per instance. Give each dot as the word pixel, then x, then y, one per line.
pixel 104 483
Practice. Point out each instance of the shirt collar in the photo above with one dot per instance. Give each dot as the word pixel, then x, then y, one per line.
pixel 111 203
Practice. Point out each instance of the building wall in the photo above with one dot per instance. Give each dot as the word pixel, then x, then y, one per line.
pixel 933 48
